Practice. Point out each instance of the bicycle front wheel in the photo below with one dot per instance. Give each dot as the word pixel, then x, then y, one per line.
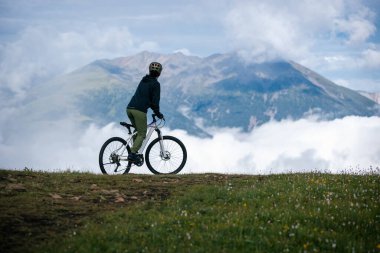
pixel 112 156
pixel 171 161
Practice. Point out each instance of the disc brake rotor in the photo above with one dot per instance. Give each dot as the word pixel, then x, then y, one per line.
pixel 166 156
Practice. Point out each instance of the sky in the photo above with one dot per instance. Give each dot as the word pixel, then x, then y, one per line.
pixel 340 39
pixel 40 39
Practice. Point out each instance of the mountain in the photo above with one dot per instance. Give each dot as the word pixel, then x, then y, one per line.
pixel 375 96
pixel 221 90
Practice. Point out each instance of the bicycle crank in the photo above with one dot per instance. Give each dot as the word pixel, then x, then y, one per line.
pixel 114 158
pixel 140 161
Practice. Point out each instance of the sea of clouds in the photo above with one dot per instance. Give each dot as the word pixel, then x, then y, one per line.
pixel 350 145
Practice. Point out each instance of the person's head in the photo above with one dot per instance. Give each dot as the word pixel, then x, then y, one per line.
pixel 155 69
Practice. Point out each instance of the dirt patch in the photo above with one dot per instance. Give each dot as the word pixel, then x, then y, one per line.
pixel 35 206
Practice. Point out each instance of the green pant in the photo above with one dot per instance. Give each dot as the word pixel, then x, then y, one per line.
pixel 139 121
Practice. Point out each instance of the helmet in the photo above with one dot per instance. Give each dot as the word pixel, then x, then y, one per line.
pixel 155 68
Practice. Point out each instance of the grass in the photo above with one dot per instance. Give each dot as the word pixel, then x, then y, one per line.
pixel 77 212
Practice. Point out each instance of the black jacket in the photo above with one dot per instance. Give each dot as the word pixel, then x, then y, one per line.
pixel 147 95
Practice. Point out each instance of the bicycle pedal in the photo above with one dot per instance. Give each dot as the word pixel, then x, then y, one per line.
pixel 140 160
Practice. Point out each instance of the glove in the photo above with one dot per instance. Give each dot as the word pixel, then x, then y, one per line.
pixel 160 115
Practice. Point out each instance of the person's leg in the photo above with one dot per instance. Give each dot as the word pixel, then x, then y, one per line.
pixel 132 119
pixel 139 120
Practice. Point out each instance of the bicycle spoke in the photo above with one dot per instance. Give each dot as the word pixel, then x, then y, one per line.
pixel 171 161
pixel 110 157
pixel 107 163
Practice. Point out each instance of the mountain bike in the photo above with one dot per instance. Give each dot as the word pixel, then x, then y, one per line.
pixel 164 155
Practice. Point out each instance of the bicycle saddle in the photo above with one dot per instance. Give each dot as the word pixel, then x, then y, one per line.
pixel 127 125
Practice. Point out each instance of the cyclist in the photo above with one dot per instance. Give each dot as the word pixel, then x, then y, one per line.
pixel 147 95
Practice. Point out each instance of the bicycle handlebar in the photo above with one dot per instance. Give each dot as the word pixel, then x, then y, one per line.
pixel 154 117
pixel 160 123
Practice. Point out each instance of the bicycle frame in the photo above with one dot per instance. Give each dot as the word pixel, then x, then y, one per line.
pixel 152 127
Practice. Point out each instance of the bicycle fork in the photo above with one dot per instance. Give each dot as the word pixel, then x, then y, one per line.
pixel 163 153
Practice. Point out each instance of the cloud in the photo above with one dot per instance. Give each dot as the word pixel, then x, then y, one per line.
pixel 54 146
pixel 365 84
pixel 371 58
pixel 302 145
pixel 335 38
pixel 368 59
pixel 357 27
pixel 39 41
pixel 358 72
pixel 348 144
pixel 253 28
pixel 268 30
pixel 184 51
pixel 44 51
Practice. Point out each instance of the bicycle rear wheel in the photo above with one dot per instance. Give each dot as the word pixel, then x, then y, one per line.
pixel 112 155
pixel 171 162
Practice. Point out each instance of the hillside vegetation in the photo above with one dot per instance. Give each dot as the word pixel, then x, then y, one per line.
pixel 80 212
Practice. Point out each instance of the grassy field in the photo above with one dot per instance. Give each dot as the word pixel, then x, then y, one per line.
pixel 79 212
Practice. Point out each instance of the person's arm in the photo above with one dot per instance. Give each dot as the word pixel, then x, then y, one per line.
pixel 156 99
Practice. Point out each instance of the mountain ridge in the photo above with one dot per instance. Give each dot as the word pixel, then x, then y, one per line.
pixel 375 96
pixel 220 90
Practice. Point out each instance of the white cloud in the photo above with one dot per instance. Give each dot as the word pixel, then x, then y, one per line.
pixel 331 37
pixel 357 27
pixel 54 146
pixel 43 51
pixel 349 144
pixel 264 31
pixel 184 51
pixel 358 72
pixel 43 41
pixel 371 59
pixel 365 84
pixel 299 30
pixel 368 59
pixel 302 145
